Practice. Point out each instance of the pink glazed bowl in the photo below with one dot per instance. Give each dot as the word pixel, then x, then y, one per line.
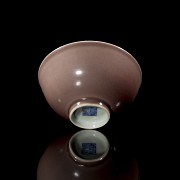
pixel 87 80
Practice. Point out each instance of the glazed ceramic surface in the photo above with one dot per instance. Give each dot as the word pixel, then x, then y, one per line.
pixel 84 81
pixel 85 163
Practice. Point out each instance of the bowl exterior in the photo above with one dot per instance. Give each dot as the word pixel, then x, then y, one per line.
pixel 87 70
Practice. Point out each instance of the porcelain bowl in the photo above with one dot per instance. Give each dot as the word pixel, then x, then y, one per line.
pixel 86 81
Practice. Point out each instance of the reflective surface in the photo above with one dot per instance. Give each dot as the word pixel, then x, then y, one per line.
pixel 57 162
pixel 88 147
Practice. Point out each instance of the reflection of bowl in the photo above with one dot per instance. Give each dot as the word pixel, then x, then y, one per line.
pixel 83 81
pixel 85 155
pixel 88 147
